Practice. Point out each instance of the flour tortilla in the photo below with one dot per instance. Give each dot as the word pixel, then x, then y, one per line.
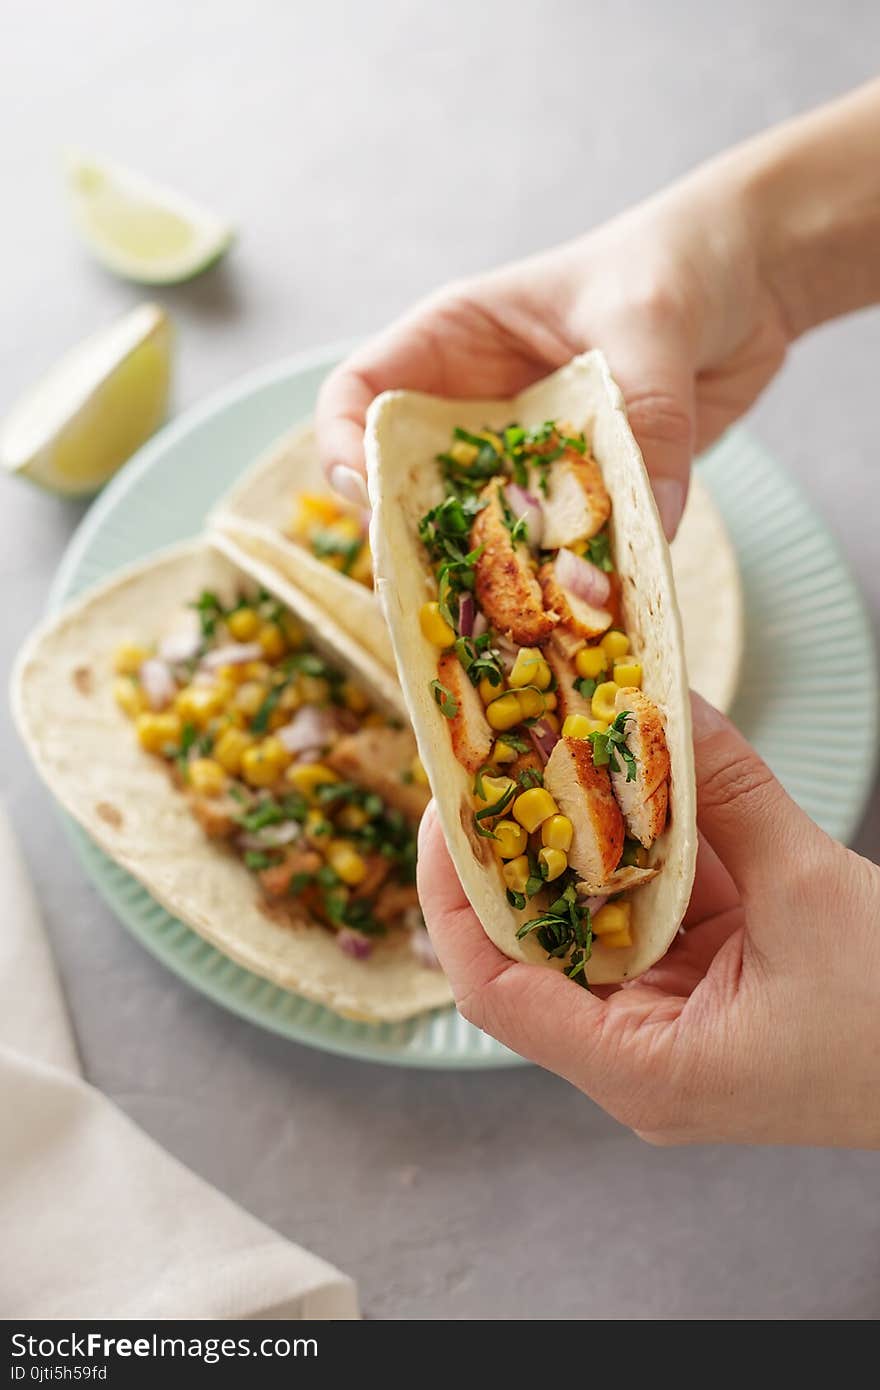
pixel 254 514
pixel 405 430
pixel 710 596
pixel 86 751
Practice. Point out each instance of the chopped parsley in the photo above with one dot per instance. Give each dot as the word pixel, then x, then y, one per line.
pixel 610 746
pixel 564 931
pixel 210 612
pixel 445 699
pixel 328 545
pixel 599 552
pixel 479 659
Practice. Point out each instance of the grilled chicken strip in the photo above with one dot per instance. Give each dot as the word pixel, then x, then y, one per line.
pixel 583 793
pixel 572 612
pixel 468 728
pixel 506 589
pixel 576 504
pixel 381 760
pixel 276 879
pixel 643 801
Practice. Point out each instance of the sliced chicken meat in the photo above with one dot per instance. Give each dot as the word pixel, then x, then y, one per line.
pixel 626 877
pixel 507 591
pixel 394 900
pixel 381 759
pixel 277 878
pixel 468 728
pixel 576 504
pixel 579 617
pixel 583 792
pixel 216 815
pixel 643 801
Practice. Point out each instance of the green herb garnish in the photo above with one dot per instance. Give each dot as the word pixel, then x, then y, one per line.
pixel 256 860
pixel 445 699
pixel 479 659
pixel 599 552
pixel 609 746
pixel 210 612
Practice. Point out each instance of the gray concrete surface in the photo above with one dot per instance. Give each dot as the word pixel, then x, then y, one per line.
pixel 369 152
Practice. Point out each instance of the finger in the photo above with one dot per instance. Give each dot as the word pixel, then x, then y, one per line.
pixel 339 421
pixel 743 811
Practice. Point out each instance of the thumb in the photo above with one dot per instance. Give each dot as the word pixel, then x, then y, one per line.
pixel 750 822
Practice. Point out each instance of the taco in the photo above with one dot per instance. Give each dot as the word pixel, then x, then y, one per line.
pixel 282 512
pixel 256 773
pixel 528 589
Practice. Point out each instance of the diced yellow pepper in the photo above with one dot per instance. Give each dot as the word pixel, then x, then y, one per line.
pixel 250 696
pixel 557 832
pixel 488 691
pixel 590 662
pixel 206 777
pixel 510 839
pixel 503 752
pixel 434 626
pixel 307 776
pixel 613 920
pixel 531 702
pixel 344 859
pixel 494 788
pixel 628 673
pixel 128 658
pixel 419 775
pixel 516 873
pixel 129 696
pixel 614 643
pixel 156 732
pixel 530 668
pixel 553 862
pixel 581 726
pixel 602 703
pixel 271 639
pixel 230 747
pixel 243 624
pixel 462 452
pixel 504 712
pixel 354 698
pixel 533 807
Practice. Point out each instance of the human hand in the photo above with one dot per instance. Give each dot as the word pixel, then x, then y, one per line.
pixel 761 1024
pixel 672 292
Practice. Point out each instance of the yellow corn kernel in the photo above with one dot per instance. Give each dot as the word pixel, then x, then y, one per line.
pixel 271 639
pixel 613 920
pixel 553 862
pixel 504 712
pixel 580 726
pixel 354 698
pixel 550 700
pixel 250 696
pixel 510 839
pixel 278 718
pixel 352 818
pixel 243 624
pixel 347 528
pixel 434 626
pixel 229 748
pixel 307 776
pixel 418 773
pixel 128 658
pixel 551 721
pixel 198 704
pixel 463 452
pixel 290 698
pixel 312 508
pixel 602 703
pixel 556 833
pixel 590 662
pixel 313 690
pixel 533 807
pixel 492 438
pixel 614 644
pixel 263 763
pixel 516 873
pixel 292 630
pixel 230 674
pixel 628 673
pixel 361 569
pixel 255 671
pixel 156 731
pixel 503 752
pixel 531 703
pixel 530 668
pixel 317 827
pixel 617 939
pixel 206 777
pixel 488 691
pixel 344 859
pixel 129 696
pixel 494 788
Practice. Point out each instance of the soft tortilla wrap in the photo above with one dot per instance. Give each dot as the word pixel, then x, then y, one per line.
pixel 254 513
pixel 405 431
pixel 86 751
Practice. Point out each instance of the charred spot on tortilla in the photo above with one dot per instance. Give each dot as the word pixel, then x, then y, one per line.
pixel 84 680
pixel 110 814
pixel 478 843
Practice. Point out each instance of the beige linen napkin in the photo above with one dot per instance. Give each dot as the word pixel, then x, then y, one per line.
pixel 96 1219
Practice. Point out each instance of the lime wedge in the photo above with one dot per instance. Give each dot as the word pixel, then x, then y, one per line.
pixel 73 430
pixel 139 230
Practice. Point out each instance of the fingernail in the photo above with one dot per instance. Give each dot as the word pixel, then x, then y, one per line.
pixel 349 484
pixel 669 494
pixel 706 718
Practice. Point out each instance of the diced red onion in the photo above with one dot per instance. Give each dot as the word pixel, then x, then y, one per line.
pixel 423 950
pixel 526 506
pixel 351 943
pixel 585 580
pixel 157 682
pixel 271 836
pixel 309 729
pixel 594 904
pixel 480 626
pixel 466 615
pixel 182 644
pixel 544 738
pixel 233 654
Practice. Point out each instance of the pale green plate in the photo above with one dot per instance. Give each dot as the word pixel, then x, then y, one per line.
pixel 796 709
